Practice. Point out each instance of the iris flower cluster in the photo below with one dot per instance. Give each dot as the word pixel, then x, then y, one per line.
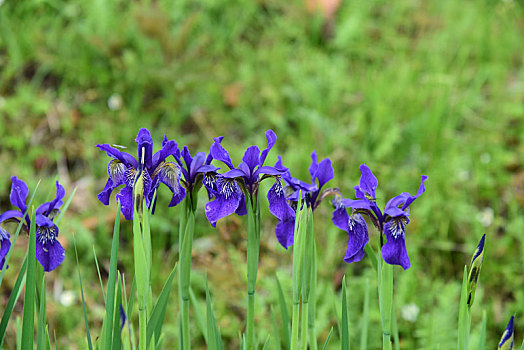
pixel 391 222
pixel 49 251
pixel 227 191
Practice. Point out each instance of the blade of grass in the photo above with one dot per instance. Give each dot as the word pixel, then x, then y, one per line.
pixel 88 334
pixel 328 339
pixel 365 320
pixel 372 256
pixel 117 339
pixel 40 340
pixel 15 294
pixel 482 336
pixel 213 334
pixel 99 275
pixel 199 314
pixel 463 327
pixel 345 321
pixel 65 207
pixel 275 329
pixel 107 325
pixel 28 320
pixel 154 326
pixel 284 314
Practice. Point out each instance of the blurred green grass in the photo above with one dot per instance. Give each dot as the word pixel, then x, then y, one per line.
pixel 409 88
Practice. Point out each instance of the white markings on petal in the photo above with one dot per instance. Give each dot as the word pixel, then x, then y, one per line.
pixel 47 235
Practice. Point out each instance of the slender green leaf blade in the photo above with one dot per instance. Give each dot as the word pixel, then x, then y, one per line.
pixel 154 326
pixel 365 320
pixel 28 320
pixel 117 339
pixel 284 314
pixel 41 334
pixel 199 314
pixel 64 208
pixel 88 334
pixel 15 294
pixel 213 334
pixel 482 336
pixel 99 275
pixel 463 322
pixel 328 339
pixel 345 320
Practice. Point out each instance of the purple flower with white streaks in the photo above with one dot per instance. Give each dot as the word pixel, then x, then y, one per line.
pixel 311 193
pixel 146 173
pixel 507 339
pixel 5 244
pixel 229 194
pixel 392 222
pixel 49 251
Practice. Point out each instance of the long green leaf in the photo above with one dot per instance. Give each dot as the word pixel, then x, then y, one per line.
pixel 284 314
pixel 276 329
pixel 154 326
pixel 365 320
pixel 28 320
pixel 88 334
pixel 345 320
pixel 213 334
pixel 463 322
pixel 15 294
pixel 328 339
pixel 199 314
pixel 107 325
pixel 99 275
pixel 117 339
pixel 64 208
pixel 372 256
pixel 40 340
pixel 482 336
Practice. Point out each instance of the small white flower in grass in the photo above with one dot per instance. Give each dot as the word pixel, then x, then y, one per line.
pixel 485 158
pixel 410 312
pixel 486 216
pixel 114 102
pixel 67 298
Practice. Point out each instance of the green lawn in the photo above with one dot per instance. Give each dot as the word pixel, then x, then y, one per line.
pixel 408 87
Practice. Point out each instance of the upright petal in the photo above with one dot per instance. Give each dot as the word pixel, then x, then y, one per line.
pixel 357 238
pixel 187 157
pixel 251 158
pixel 19 192
pixel 196 163
pixel 11 214
pixel 368 182
pixel 314 165
pixel 218 152
pixel 394 251
pixel 145 148
pixel 271 139
pixel 55 204
pixel 169 147
pixel 324 172
pixel 125 196
pixel 421 190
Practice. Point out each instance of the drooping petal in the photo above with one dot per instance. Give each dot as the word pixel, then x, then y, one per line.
pixel 210 183
pixel 10 214
pixel 19 192
pixel 271 139
pixel 242 208
pixel 49 254
pixel 5 244
pixel 357 238
pixel 285 232
pixel 279 207
pixel 169 174
pixel 368 182
pixel 124 157
pixel 219 153
pixel 187 157
pixel 340 218
pixel 168 148
pixel 394 251
pixel 125 196
pixel 55 204
pixel 117 176
pixel 507 339
pixel 251 158
pixel 145 148
pixel 226 201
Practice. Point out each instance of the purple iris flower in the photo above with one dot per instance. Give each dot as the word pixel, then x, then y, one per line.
pixel 392 222
pixel 149 171
pixel 229 195
pixel 49 251
pixel 5 244
pixel 312 193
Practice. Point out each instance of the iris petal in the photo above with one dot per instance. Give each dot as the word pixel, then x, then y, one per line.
pixel 19 192
pixel 271 139
pixel 50 255
pixel 394 251
pixel 357 238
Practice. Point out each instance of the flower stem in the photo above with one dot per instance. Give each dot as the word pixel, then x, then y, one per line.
pixel 294 325
pixel 385 277
pixel 142 323
pixel 304 327
pixel 253 247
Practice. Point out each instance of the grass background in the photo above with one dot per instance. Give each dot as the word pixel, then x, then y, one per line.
pixel 409 88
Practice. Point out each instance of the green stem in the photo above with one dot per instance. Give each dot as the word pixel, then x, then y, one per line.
pixel 294 325
pixel 303 341
pixel 142 323
pixel 386 302
pixel 253 247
